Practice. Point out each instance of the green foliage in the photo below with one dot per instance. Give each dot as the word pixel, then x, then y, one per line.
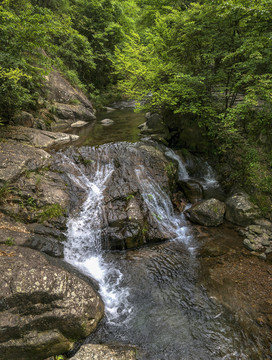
pixel 210 62
pixel 130 196
pixel 5 190
pixel 10 241
pixel 51 212
pixel 59 357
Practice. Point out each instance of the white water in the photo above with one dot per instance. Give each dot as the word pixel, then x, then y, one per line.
pixel 160 206
pixel 183 173
pixel 150 295
pixel 83 247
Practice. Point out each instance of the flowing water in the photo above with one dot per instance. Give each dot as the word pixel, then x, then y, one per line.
pixel 152 296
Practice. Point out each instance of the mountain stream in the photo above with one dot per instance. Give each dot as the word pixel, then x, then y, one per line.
pixel 152 296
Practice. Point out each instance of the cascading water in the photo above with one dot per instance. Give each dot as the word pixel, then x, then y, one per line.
pixel 151 295
pixel 83 247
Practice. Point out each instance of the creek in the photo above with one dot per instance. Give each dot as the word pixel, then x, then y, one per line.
pixel 152 295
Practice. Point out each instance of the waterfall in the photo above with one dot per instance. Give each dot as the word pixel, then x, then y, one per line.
pixel 151 295
pixel 83 246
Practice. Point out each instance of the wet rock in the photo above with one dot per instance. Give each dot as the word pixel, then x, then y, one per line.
pixel 208 213
pixel 109 109
pixel 155 127
pixel 44 309
pixel 105 352
pixel 38 138
pixel 107 122
pixel 257 238
pixel 40 237
pixel 192 189
pixel 240 210
pixel 127 221
pixel 178 201
pixel 79 124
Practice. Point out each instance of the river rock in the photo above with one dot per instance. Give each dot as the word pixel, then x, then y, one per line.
pixel 105 352
pixel 155 128
pixel 257 238
pixel 208 213
pixel 38 138
pixel 34 201
pixel 16 158
pixel 44 309
pixel 73 112
pixel 107 122
pixel 79 124
pixel 240 210
pixel 130 215
pixel 192 189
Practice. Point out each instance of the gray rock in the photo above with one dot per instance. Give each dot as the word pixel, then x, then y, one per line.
pixel 208 213
pixel 250 245
pixel 240 210
pixel 155 127
pixel 79 124
pixel 16 158
pixel 257 237
pixel 127 221
pixel 61 91
pixel 109 109
pixel 37 138
pixel 73 112
pixel 43 309
pixel 105 352
pixel 107 122
pixel 192 189
pixel 24 119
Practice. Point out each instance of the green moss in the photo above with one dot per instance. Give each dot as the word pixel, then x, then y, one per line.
pixel 74 102
pixel 51 212
pixel 10 241
pixel 130 196
pixel 170 169
pixel 4 191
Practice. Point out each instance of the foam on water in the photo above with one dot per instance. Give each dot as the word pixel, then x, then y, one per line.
pixel 83 247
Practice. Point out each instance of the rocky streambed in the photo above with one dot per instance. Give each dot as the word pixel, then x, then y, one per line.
pixel 119 214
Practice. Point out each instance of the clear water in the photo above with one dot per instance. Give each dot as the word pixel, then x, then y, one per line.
pixel 124 128
pixel 152 296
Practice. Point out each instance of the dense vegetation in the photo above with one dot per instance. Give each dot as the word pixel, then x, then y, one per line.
pixel 207 61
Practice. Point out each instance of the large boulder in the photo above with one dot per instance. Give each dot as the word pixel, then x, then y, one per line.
pixel 38 138
pixel 66 103
pixel 34 199
pixel 44 309
pixel 155 128
pixel 130 215
pixel 16 158
pixel 208 213
pixel 192 189
pixel 240 210
pixel 105 352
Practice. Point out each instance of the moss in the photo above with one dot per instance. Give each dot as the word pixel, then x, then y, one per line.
pixel 4 191
pixel 10 241
pixel 50 212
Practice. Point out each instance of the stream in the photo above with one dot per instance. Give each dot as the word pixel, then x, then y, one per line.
pixel 152 295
